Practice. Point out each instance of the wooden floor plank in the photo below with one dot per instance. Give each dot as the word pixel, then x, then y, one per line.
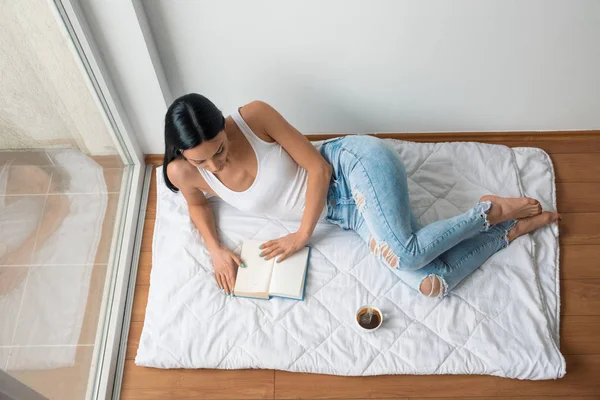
pixel 151 383
pixel 133 341
pixel 510 398
pixel 144 268
pixel 156 159
pixel 580 297
pixel 579 334
pixel 484 398
pixel 578 196
pixel 580 262
pixel 576 167
pixel 580 228
pixel 151 211
pixel 581 379
pixel 140 301
pixel 147 232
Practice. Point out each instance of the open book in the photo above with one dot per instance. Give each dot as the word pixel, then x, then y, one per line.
pixel 263 279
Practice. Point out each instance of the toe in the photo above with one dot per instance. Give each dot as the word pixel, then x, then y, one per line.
pixel 550 217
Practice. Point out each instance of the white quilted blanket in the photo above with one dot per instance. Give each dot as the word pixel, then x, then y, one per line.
pixel 503 320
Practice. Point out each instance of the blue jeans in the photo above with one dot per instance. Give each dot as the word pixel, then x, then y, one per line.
pixel 368 193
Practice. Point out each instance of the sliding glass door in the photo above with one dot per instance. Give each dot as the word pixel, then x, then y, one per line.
pixel 70 182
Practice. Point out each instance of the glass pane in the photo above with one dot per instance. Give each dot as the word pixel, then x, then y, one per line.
pixel 62 183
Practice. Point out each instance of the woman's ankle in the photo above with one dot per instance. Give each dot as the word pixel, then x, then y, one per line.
pixel 527 225
pixel 513 232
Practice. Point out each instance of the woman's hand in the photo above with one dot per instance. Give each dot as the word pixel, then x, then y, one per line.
pixel 225 263
pixel 284 246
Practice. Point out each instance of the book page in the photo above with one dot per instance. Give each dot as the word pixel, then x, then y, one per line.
pixel 256 276
pixel 288 276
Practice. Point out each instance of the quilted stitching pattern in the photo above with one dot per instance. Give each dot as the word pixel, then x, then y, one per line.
pixel 493 323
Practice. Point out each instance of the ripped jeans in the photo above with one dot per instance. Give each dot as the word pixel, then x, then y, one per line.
pixel 368 193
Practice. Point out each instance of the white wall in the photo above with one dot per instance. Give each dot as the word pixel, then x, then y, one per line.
pixel 118 28
pixel 388 65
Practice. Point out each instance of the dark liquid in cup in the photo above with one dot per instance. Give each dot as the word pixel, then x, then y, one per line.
pixel 375 319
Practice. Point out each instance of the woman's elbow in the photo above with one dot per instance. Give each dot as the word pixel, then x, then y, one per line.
pixel 324 170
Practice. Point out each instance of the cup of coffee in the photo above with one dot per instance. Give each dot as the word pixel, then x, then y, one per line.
pixel 369 318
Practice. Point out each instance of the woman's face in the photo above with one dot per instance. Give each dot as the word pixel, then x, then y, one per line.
pixel 210 155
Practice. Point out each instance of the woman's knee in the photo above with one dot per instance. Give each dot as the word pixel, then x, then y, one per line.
pixel 362 141
pixel 433 286
pixel 369 147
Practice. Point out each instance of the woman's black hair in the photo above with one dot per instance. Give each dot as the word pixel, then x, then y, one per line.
pixel 190 120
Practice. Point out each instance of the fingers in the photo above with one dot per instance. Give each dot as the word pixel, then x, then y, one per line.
pixel 237 260
pixel 267 244
pixel 274 253
pixel 230 283
pixel 230 273
pixel 279 249
pixel 283 256
pixel 218 279
pixel 226 284
pixel 268 251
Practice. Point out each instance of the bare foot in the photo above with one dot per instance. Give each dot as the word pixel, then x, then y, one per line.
pixel 505 209
pixel 530 224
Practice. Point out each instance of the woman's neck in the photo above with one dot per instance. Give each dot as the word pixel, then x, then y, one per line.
pixel 233 137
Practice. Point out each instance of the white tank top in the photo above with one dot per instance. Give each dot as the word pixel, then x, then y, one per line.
pixel 279 189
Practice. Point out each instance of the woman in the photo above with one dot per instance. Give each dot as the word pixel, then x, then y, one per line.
pixel 257 162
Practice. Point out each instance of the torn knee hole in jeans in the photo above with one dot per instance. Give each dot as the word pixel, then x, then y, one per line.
pixel 383 251
pixel 487 206
pixel 433 286
pixel 359 199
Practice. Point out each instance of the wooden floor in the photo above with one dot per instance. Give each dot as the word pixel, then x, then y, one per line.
pixel 576 158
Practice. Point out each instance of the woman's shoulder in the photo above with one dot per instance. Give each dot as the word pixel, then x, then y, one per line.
pixel 259 115
pixel 255 109
pixel 185 176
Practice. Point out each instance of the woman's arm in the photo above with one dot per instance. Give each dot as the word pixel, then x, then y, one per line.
pixel 305 154
pixel 225 262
